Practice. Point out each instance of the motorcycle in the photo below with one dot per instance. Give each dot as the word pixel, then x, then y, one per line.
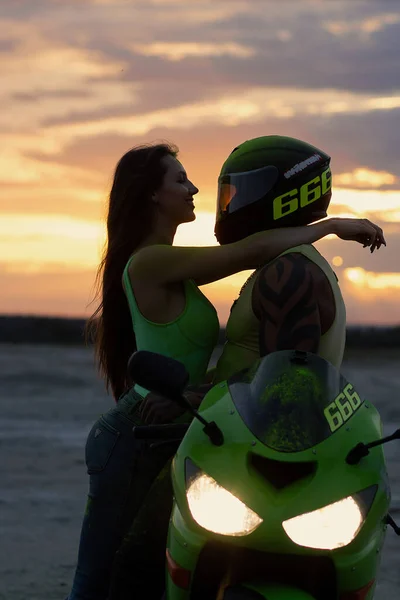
pixel 280 485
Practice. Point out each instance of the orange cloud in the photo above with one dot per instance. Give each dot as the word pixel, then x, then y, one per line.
pixel 35 242
pixel 371 298
pixel 231 109
pixel 365 26
pixel 364 281
pixel 365 178
pixel 383 205
pixel 179 50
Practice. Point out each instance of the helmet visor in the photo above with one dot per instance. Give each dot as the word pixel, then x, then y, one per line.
pixel 237 190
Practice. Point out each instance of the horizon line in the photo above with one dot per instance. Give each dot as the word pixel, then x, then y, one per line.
pixel 223 325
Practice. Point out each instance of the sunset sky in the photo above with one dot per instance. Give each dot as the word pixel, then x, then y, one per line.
pixel 83 81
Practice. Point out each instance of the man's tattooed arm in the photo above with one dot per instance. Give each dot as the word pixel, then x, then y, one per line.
pixel 285 300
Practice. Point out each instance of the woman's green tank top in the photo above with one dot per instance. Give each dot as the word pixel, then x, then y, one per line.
pixel 190 338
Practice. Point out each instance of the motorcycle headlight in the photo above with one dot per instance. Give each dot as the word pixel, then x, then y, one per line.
pixel 327 528
pixel 217 510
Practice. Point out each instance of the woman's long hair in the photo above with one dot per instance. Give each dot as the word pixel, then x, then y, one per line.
pixel 138 175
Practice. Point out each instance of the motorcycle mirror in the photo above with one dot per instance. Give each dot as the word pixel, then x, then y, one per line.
pixel 362 450
pixel 390 521
pixel 168 377
pixel 159 374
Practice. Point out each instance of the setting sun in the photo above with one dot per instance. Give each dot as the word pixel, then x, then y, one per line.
pixel 337 261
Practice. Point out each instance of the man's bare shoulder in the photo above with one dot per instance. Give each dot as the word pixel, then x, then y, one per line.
pixel 285 300
pixel 281 277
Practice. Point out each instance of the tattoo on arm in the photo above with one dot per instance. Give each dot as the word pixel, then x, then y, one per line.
pixel 285 302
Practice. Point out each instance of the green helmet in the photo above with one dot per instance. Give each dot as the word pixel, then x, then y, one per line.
pixel 269 182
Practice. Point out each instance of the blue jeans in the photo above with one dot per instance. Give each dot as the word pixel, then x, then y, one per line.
pixel 139 564
pixel 121 471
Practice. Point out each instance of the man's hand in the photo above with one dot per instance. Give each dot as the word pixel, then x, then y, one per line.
pixel 359 230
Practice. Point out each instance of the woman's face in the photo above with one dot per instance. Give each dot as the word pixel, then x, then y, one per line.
pixel 174 198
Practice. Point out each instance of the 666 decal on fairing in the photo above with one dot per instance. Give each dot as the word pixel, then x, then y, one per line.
pixel 343 407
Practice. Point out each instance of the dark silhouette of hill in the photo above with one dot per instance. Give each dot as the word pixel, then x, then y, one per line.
pixel 21 329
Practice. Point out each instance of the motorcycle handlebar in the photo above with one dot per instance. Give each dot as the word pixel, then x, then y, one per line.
pixel 171 431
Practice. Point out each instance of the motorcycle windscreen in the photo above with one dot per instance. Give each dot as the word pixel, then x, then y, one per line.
pixel 237 190
pixel 293 401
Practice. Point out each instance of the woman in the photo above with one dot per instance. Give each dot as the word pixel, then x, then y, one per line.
pixel 148 283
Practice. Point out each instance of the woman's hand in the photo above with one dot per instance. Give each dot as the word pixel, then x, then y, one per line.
pixel 156 409
pixel 359 230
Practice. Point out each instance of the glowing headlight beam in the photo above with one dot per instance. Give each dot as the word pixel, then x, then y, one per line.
pixel 217 510
pixel 327 528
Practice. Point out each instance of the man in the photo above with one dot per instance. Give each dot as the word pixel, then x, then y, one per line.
pixel 295 301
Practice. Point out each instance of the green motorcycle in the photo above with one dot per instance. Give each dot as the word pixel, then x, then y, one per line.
pixel 280 484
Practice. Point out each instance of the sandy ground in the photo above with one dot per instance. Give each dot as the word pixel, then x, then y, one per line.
pixel 49 397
